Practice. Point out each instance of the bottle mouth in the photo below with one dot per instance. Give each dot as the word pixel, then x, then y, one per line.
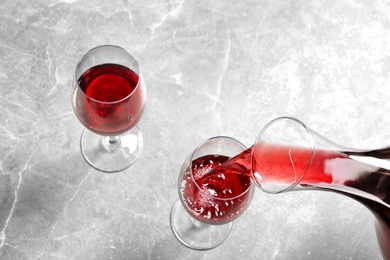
pixel 281 155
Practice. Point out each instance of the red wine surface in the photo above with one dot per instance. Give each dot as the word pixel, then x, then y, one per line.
pixel 219 201
pixel 110 99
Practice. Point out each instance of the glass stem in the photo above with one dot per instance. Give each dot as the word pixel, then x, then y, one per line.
pixel 111 143
pixel 199 225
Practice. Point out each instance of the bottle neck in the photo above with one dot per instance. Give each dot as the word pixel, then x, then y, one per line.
pixel 355 174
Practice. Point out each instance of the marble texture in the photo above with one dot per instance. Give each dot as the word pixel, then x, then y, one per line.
pixel 211 68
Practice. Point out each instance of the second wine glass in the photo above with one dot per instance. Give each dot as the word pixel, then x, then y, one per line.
pixel 108 96
pixel 203 216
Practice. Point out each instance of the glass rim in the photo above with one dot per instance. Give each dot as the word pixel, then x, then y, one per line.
pixel 196 183
pixel 105 102
pixel 309 133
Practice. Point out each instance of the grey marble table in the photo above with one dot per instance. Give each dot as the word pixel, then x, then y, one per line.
pixel 211 68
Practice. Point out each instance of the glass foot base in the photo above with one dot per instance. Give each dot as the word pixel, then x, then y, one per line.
pixel 194 234
pixel 111 154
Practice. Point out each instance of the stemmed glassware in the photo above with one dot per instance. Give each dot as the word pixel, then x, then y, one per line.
pixel 108 97
pixel 203 216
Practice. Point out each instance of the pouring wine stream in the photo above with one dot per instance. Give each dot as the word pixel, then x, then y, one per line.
pixel 239 164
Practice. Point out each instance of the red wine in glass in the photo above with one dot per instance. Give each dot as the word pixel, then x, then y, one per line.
pixel 108 97
pixel 227 187
pixel 203 216
pixel 113 102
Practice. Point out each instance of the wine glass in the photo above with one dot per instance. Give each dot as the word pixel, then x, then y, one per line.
pixel 108 96
pixel 203 216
